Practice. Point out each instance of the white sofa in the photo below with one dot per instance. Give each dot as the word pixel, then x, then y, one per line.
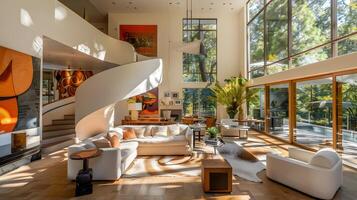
pixel 229 128
pixel 174 139
pixel 317 174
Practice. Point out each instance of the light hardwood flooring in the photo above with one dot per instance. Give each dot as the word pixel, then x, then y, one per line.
pixel 46 179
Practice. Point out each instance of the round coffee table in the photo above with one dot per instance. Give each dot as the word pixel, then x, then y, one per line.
pixel 85 175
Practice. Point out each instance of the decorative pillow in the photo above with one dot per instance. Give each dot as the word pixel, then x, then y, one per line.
pixel 139 131
pixel 183 129
pixel 159 131
pixel 148 131
pixel 113 139
pixel 102 143
pixel 128 133
pixel 119 132
pixel 325 158
pixel 173 130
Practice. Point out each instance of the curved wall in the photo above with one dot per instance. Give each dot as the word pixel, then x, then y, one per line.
pixel 96 97
pixel 23 23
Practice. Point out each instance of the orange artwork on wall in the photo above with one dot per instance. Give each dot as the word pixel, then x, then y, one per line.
pixel 16 79
pixel 142 37
pixel 69 81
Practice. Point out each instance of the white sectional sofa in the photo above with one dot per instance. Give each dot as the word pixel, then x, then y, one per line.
pixel 317 174
pixel 174 139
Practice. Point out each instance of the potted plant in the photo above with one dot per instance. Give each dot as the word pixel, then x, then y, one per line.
pixel 212 132
pixel 233 95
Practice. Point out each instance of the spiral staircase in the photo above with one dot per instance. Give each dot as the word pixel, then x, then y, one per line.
pixel 96 97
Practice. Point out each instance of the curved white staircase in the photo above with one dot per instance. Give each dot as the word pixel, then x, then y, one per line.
pixel 96 97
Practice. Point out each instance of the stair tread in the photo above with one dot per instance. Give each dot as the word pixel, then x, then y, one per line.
pixel 54 143
pixel 55 136
pixel 65 129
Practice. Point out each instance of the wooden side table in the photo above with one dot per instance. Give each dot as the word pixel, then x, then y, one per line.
pixel 216 175
pixel 85 175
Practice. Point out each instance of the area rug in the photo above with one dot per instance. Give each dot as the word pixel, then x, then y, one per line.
pixel 244 164
pixel 171 166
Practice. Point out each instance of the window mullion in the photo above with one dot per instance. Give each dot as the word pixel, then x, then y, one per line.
pixel 334 27
pixel 290 35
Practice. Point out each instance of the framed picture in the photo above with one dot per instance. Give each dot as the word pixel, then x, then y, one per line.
pixel 166 94
pixel 142 37
pixel 174 95
pixel 178 102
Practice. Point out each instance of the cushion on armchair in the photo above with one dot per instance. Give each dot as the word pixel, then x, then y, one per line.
pixel 325 158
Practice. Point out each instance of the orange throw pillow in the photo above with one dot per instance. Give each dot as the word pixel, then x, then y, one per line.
pixel 113 139
pixel 129 134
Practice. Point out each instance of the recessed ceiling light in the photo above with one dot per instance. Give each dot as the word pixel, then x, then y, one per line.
pixel 114 3
pixel 130 2
pixel 224 4
pixel 212 3
pixel 135 8
pixel 210 8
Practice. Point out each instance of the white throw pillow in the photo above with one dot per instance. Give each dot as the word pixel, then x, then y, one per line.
pixel 183 129
pixel 148 131
pixel 325 158
pixel 173 129
pixel 159 131
pixel 139 131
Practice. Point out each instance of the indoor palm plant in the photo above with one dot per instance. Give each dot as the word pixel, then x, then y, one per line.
pixel 232 95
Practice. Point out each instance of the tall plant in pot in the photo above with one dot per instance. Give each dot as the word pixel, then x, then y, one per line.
pixel 233 95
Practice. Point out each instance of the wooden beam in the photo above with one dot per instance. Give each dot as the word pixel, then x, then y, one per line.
pixel 292 111
pixel 267 108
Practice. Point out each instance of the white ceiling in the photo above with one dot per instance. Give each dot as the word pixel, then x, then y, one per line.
pixel 59 56
pixel 117 6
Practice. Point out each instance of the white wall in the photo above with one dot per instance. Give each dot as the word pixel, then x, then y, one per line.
pixel 230 60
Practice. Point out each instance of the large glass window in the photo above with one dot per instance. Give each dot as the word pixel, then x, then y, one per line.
pixel 347 116
pixel 199 102
pixel 256 112
pixel 277 30
pixel 346 17
pixel 256 45
pixel 314 113
pixel 311 24
pixel 279 110
pixel 277 42
pixel 203 67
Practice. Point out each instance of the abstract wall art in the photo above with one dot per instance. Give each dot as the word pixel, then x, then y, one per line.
pixel 69 81
pixel 19 90
pixel 142 37
pixel 150 102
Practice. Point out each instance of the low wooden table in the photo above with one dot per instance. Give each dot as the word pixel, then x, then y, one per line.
pixel 216 175
pixel 85 175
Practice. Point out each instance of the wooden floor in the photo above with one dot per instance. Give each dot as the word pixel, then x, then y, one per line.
pixel 46 179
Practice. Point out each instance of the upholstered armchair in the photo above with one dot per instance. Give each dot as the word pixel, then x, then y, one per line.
pixel 317 174
pixel 229 128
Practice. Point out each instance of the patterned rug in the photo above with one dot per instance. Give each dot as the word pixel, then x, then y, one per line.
pixel 244 164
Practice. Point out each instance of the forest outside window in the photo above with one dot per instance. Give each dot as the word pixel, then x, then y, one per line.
pixel 202 67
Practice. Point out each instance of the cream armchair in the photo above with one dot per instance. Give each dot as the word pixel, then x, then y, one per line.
pixel 317 174
pixel 229 128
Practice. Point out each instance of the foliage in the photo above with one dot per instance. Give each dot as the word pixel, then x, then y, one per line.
pixel 311 26
pixel 197 101
pixel 232 95
pixel 201 68
pixel 212 132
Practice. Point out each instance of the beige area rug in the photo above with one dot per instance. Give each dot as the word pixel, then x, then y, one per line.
pixel 172 166
pixel 244 164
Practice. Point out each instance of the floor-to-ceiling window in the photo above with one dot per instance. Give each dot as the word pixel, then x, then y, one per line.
pixel 347 116
pixel 279 110
pixel 284 34
pixel 199 102
pixel 256 112
pixel 314 113
pixel 200 67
